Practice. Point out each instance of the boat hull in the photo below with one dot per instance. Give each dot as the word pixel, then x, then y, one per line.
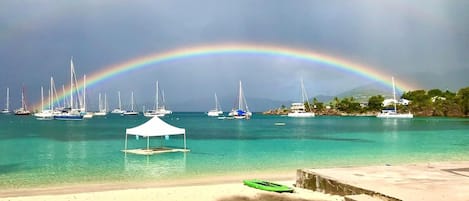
pixel 214 113
pixel 100 114
pixel 132 113
pixel 395 116
pixel 69 117
pixel 267 186
pixel 301 114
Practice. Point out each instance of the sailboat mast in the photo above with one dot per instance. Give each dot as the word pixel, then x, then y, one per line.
pixel 119 96
pixel 65 99
pixel 304 95
pixel 132 105
pixel 84 93
pixel 216 101
pixel 394 95
pixel 240 95
pixel 8 99
pixel 156 96
pixel 100 103
pixel 42 98
pixel 71 83
pixel 51 94
pixel 105 102
pixel 23 104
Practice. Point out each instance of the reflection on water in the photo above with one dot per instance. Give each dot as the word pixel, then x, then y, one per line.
pixel 155 166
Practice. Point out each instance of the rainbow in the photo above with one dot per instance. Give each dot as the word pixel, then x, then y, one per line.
pixel 227 49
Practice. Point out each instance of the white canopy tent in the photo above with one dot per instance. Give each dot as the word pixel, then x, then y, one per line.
pixel 152 128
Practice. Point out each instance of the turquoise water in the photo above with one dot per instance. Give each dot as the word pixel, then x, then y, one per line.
pixel 38 153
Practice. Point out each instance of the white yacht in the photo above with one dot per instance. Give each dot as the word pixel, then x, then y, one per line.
pixel 215 112
pixel 394 113
pixel 241 111
pixel 299 109
pixel 158 110
pixel 118 110
pixel 132 111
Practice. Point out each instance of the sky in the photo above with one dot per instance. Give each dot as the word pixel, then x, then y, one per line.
pixel 421 42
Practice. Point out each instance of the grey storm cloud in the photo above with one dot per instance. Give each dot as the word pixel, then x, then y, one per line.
pixel 424 42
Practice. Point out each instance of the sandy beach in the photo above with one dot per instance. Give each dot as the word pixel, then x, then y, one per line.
pixel 226 188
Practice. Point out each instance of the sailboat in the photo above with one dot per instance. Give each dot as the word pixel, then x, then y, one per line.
pixel 217 110
pixel 86 115
pixel 241 111
pixel 45 114
pixel 131 112
pixel 23 110
pixel 394 113
pixel 159 111
pixel 119 109
pixel 70 113
pixel 299 109
pixel 102 107
pixel 7 108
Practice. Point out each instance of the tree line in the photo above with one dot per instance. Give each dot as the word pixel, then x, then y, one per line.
pixel 434 102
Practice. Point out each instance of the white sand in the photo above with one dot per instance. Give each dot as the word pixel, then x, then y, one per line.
pixel 219 188
pixel 219 192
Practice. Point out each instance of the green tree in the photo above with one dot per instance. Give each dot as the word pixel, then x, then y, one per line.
pixel 319 106
pixel 375 103
pixel 463 99
pixel 435 92
pixel 421 103
pixel 349 105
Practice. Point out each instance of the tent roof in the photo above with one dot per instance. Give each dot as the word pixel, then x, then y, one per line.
pixel 155 127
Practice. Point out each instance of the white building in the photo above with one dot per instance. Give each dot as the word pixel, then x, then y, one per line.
pixel 390 101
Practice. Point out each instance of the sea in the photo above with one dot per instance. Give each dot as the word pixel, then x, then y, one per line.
pixel 36 153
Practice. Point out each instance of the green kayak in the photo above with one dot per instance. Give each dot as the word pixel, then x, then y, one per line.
pixel 267 186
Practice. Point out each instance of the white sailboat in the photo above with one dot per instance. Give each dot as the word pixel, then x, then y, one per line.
pixel 118 110
pixel 241 111
pixel 394 113
pixel 132 111
pixel 70 113
pixel 102 107
pixel 162 108
pixel 299 109
pixel 86 115
pixel 7 105
pixel 23 110
pixel 159 111
pixel 217 110
pixel 45 114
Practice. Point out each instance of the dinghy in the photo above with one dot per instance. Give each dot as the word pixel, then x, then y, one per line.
pixel 267 186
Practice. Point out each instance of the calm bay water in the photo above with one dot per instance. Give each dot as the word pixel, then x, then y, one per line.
pixel 39 153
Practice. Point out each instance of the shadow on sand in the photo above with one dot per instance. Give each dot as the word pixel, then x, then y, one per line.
pixel 265 197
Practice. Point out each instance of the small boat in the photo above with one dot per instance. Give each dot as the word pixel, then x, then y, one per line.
pixel 118 110
pixel 102 107
pixel 23 110
pixel 44 114
pixel 131 112
pixel 217 110
pixel 280 123
pixel 242 110
pixel 267 186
